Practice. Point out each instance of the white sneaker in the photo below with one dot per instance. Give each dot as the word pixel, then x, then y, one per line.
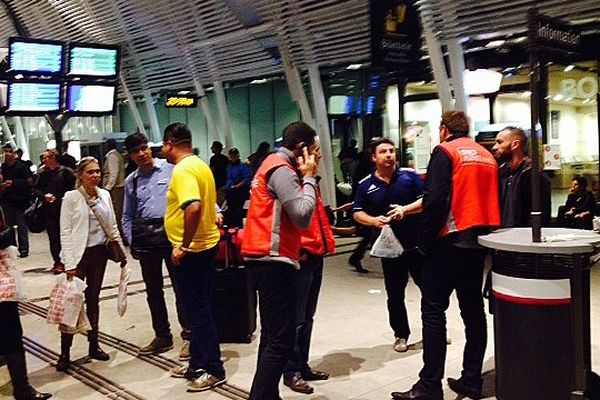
pixel 205 382
pixel 400 345
pixel 184 354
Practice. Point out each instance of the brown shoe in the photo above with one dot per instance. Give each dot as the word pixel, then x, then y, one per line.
pixel 58 268
pixel 314 375
pixel 298 385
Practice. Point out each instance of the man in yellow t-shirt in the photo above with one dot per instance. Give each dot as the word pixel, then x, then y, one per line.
pixel 190 223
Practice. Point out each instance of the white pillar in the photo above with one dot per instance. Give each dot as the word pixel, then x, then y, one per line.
pixel 224 113
pixel 154 126
pixel 322 126
pixel 6 131
pixel 436 59
pixel 203 100
pixel 22 142
pixel 136 113
pixel 457 66
pixel 292 76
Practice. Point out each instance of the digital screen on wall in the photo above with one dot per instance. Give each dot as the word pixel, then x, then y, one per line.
pixel 91 99
pixel 93 60
pixel 33 97
pixel 31 56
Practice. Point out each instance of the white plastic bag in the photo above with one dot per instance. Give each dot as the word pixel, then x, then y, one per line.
pixel 122 298
pixel 66 301
pixel 12 287
pixel 387 244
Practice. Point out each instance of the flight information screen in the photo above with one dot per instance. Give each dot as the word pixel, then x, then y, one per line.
pixel 35 57
pixel 33 97
pixel 93 61
pixel 91 98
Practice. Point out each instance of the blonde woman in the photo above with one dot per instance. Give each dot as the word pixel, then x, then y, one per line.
pixel 83 213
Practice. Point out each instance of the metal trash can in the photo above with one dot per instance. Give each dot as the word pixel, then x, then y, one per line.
pixel 541 294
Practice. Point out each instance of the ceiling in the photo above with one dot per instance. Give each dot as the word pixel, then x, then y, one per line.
pixel 169 43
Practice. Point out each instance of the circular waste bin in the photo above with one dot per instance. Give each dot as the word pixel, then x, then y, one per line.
pixel 541 305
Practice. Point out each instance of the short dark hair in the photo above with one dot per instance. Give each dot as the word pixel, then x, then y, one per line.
pixel 296 133
pixel 178 133
pixel 377 142
pixel 457 122
pixel 52 153
pixel 217 145
pixel 8 146
pixel 110 144
pixel 518 132
pixel 134 140
pixel 581 181
pixel 233 150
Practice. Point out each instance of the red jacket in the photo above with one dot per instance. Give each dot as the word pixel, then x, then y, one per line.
pixel 474 186
pixel 269 230
pixel 318 238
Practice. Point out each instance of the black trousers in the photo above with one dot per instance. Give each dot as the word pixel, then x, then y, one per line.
pixel 14 216
pixel 395 275
pixel 152 274
pixel 448 268
pixel 11 332
pixel 91 269
pixel 52 220
pixel 276 299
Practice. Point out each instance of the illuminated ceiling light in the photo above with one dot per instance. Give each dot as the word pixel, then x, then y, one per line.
pixel 420 83
pixel 569 68
pixel 183 92
pixel 526 93
pixel 258 81
pixel 354 66
pixel 495 43
pixel 585 101
pixel 568 99
pixel 481 81
pixel 558 97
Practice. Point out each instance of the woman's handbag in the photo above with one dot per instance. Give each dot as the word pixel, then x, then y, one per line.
pixel 113 246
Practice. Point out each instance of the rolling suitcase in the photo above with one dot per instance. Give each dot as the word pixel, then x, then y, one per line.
pixel 234 301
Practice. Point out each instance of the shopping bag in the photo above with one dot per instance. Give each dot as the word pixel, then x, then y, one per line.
pixel 66 301
pixel 387 244
pixel 122 298
pixel 11 281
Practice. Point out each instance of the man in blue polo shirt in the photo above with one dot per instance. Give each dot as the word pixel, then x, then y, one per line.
pixel 387 186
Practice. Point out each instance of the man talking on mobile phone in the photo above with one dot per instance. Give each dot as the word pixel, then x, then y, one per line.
pixel 282 201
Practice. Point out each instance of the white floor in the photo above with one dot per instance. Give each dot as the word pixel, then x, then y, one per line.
pixel 351 340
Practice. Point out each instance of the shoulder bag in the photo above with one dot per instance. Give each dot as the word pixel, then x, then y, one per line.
pixel 147 234
pixel 113 247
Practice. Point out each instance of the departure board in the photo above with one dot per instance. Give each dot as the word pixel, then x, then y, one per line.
pixel 93 61
pixel 27 56
pixel 33 97
pixel 91 98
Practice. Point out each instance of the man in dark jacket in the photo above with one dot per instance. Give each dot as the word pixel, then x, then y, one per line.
pixel 515 180
pixel 53 181
pixel 15 189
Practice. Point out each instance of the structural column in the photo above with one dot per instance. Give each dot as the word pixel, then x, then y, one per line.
pixel 154 126
pixel 439 69
pixel 457 66
pixel 135 112
pixel 203 100
pixel 224 113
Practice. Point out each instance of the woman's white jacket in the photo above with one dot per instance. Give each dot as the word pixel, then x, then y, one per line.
pixel 74 225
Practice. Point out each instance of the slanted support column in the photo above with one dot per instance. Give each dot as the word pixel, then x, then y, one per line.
pixel 6 131
pixel 22 142
pixel 322 127
pixel 154 126
pixel 224 113
pixel 292 76
pixel 439 69
pixel 210 122
pixel 457 66
pixel 136 113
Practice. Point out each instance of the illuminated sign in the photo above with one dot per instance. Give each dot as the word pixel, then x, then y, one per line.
pixel 180 101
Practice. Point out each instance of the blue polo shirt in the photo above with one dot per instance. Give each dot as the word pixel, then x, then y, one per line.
pixel 374 197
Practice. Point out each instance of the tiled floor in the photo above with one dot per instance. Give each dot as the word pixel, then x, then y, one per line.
pixel 352 339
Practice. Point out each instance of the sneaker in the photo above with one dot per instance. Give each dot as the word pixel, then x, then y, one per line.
pixel 205 382
pixel 184 354
pixel 400 345
pixel 23 254
pixel 186 372
pixel 157 345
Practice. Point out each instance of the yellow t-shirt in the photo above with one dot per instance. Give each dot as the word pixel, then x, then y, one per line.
pixel 192 180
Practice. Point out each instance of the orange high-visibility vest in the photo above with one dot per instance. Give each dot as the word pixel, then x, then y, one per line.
pixel 474 199
pixel 269 231
pixel 318 238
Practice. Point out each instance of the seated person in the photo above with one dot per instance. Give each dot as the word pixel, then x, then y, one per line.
pixel 579 210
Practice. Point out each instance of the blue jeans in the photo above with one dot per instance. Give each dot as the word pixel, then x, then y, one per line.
pixel 308 285
pixel 194 281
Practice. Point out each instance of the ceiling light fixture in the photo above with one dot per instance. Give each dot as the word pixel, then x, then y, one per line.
pixel 558 97
pixel 495 43
pixel 526 93
pixel 354 66
pixel 569 68
pixel 258 81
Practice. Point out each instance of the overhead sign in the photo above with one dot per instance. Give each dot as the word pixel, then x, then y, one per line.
pixel 553 34
pixel 181 101
pixel 395 35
